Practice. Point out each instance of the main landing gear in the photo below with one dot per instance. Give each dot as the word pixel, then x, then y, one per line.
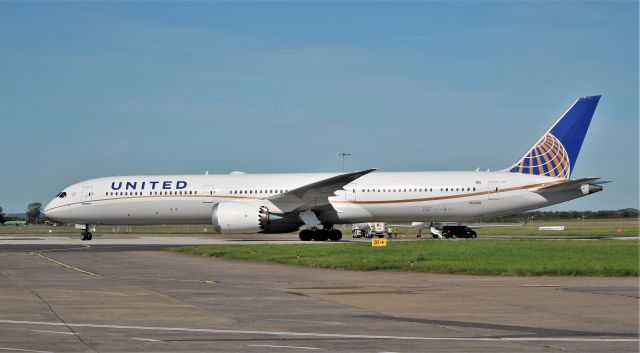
pixel 324 234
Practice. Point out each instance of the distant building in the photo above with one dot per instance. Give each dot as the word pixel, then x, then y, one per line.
pixel 15 223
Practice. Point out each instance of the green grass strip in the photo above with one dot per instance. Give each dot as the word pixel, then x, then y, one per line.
pixel 516 257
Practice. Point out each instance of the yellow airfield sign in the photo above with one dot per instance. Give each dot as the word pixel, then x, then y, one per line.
pixel 378 242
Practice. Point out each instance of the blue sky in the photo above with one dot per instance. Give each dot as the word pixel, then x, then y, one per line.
pixel 97 89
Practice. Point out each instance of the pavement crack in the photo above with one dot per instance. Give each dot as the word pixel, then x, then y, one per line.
pixel 62 321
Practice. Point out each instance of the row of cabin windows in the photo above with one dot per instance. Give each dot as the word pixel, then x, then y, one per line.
pixel 419 189
pixel 245 192
pixel 152 193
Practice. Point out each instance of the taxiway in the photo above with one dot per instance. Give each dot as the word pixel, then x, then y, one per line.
pixel 129 296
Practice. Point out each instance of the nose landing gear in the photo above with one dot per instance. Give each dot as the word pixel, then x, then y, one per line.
pixel 86 231
pixel 86 235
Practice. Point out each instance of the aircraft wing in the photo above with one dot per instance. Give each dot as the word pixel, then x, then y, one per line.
pixel 566 186
pixel 314 194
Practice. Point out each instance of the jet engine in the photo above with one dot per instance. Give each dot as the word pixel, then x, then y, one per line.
pixel 239 217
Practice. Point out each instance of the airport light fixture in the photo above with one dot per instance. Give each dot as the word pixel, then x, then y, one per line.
pixel 343 154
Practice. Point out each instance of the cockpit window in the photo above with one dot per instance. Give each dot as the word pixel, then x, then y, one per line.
pixel 62 195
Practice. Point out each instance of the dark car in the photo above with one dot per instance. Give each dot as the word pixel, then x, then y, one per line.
pixel 458 232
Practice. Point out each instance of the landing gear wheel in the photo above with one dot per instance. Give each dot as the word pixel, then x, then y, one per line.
pixel 320 235
pixel 335 235
pixel 83 236
pixel 89 236
pixel 306 235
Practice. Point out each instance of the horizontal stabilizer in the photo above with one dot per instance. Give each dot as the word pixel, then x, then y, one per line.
pixel 601 182
pixel 566 186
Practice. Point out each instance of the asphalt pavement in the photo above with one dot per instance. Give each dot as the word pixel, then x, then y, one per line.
pixel 125 295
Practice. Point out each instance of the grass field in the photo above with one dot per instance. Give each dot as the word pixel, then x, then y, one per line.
pixel 518 257
pixel 603 228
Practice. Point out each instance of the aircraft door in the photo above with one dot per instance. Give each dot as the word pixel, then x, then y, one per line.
pixel 493 190
pixel 208 193
pixel 87 195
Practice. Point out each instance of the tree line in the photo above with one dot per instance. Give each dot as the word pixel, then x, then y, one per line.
pixel 33 215
pixel 567 215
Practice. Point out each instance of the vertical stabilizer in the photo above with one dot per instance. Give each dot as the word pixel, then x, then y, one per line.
pixel 556 152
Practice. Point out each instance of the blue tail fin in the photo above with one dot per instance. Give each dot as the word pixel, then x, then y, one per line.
pixel 556 152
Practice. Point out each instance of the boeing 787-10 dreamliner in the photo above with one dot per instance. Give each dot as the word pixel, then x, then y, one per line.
pixel 275 203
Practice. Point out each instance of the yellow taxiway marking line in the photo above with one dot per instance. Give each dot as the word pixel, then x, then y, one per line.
pixel 119 277
pixel 65 265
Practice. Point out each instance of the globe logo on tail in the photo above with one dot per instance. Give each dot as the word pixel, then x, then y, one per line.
pixel 547 157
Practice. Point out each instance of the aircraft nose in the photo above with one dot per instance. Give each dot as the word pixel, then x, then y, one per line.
pixel 50 209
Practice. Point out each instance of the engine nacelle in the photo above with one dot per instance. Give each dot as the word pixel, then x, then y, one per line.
pixel 239 217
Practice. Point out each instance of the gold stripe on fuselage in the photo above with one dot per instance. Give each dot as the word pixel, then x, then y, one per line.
pixel 448 197
pixel 435 198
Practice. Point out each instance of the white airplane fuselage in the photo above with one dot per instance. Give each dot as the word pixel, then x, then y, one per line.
pixel 270 203
pixel 375 197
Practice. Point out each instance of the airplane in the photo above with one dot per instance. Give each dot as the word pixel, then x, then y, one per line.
pixel 278 203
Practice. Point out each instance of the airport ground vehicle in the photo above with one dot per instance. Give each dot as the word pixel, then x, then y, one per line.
pixel 458 232
pixel 368 230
